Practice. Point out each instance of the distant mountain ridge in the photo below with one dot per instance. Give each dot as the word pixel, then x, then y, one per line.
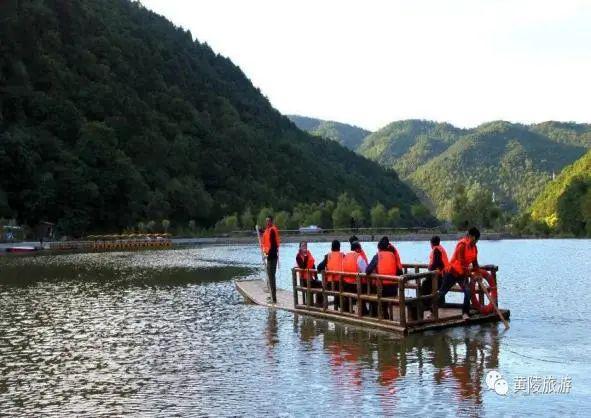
pixel 349 136
pixel 512 160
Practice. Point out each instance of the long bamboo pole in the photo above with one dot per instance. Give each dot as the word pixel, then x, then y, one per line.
pixel 494 302
pixel 267 289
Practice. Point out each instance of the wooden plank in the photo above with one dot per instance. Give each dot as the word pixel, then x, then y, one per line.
pixel 253 291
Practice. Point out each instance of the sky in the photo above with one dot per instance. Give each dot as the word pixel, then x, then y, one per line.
pixel 372 62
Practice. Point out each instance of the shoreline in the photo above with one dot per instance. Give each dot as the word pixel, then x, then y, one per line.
pixel 296 238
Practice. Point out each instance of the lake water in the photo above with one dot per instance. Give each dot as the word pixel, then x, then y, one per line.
pixel 165 333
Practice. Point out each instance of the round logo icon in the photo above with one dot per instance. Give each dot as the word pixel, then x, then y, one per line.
pixel 501 387
pixel 491 379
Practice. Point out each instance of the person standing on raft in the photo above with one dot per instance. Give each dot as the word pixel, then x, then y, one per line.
pixel 463 262
pixel 271 242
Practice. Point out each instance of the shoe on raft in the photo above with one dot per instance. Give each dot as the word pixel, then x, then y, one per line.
pixel 465 317
pixel 428 316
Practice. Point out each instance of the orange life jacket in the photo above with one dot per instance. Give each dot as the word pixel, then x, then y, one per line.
pixel 443 256
pixel 334 262
pixel 387 265
pixel 309 265
pixel 462 267
pixel 267 238
pixel 350 266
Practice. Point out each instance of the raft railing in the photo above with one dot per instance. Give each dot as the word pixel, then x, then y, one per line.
pixel 382 309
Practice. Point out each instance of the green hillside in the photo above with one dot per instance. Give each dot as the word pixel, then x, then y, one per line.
pixel 565 203
pixel 110 115
pixel 565 132
pixel 347 135
pixel 406 145
pixel 514 161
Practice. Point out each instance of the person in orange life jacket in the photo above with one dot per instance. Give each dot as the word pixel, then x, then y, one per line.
pixel 271 242
pixel 353 262
pixel 353 239
pixel 438 261
pixel 385 242
pixel 333 261
pixel 305 260
pixel 462 263
pixel 386 262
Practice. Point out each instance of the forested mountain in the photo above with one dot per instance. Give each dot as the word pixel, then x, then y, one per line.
pixel 110 115
pixel 565 132
pixel 406 145
pixel 565 203
pixel 514 161
pixel 347 135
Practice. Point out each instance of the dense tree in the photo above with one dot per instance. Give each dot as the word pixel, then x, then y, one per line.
pixel 474 206
pixel 110 115
pixel 565 204
pixel 379 216
pixel 347 210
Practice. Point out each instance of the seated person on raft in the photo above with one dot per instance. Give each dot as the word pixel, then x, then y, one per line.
pixel 385 262
pixel 333 261
pixel 353 262
pixel 305 260
pixel 438 261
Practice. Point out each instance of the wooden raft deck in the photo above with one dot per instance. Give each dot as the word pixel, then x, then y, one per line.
pixel 253 291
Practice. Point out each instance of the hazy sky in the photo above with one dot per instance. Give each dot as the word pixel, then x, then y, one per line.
pixel 375 61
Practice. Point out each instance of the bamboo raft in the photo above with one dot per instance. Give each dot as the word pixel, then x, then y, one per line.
pixel 402 314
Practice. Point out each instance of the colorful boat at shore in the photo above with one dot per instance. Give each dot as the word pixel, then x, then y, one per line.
pixel 23 250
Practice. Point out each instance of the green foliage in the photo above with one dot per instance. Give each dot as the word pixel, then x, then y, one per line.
pixel 420 212
pixel 379 216
pixel 474 207
pixel 262 216
pixel 228 223
pixel 347 135
pixel 394 217
pixel 514 161
pixel 282 219
pixel 564 205
pixel 524 224
pixel 347 212
pixel 110 115
pixel 405 145
pixel 247 219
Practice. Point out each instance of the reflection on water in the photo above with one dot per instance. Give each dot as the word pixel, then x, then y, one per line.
pixel 165 333
pixel 455 360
